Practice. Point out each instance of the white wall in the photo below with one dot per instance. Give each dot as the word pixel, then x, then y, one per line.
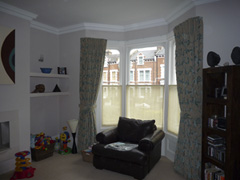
pixel 221 28
pixel 70 58
pixel 46 44
pixel 16 97
pixel 45 111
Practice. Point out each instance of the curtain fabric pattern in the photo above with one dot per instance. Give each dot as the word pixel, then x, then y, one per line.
pixel 92 58
pixel 189 56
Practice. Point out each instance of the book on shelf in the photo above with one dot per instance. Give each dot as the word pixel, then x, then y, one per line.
pixel 217 123
pixel 215 138
pixel 218 144
pixel 216 141
pixel 214 173
pixel 217 153
pixel 216 147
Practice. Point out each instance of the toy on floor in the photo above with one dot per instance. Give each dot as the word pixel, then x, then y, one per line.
pixel 57 144
pixel 64 139
pixel 22 170
pixel 41 141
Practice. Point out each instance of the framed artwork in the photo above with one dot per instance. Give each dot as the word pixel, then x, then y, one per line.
pixel 62 70
pixel 7 55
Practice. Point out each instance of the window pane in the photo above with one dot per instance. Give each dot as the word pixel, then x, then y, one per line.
pixel 173 103
pixel 131 76
pixel 111 104
pixel 173 110
pixel 145 94
pixel 146 103
pixel 147 75
pixel 152 69
pixel 140 60
pixel 113 75
pixel 104 76
pixel 112 65
pixel 111 89
pixel 141 75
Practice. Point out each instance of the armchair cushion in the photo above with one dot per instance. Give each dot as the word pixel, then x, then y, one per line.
pixel 150 141
pixel 133 130
pixel 133 156
pixel 107 136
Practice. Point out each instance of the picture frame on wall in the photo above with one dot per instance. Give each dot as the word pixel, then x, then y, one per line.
pixel 7 58
pixel 62 70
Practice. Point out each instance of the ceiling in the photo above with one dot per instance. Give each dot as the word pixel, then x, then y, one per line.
pixel 65 13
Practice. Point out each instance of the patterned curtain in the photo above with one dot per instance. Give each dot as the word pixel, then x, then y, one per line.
pixel 92 58
pixel 189 56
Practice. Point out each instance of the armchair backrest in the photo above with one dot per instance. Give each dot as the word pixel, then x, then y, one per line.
pixel 133 130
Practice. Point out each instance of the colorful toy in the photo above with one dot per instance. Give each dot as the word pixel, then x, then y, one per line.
pixel 57 144
pixel 22 169
pixel 64 137
pixel 32 140
pixel 41 141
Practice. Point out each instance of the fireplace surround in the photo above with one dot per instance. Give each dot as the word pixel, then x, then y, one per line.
pixel 9 132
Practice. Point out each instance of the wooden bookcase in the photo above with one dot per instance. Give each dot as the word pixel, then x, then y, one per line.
pixel 225 104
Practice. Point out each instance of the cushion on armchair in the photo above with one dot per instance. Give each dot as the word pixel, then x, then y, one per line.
pixel 150 141
pixel 133 130
pixel 107 136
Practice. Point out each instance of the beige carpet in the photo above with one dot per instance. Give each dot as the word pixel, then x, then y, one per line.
pixel 72 167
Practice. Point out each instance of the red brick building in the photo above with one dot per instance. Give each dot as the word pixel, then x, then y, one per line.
pixel 146 67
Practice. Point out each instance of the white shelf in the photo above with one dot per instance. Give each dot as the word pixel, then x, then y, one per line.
pixel 42 75
pixel 49 94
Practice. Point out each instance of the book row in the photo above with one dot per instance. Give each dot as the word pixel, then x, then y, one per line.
pixel 214 174
pixel 217 123
pixel 218 153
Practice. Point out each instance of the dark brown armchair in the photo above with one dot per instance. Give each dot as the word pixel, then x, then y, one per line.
pixel 132 148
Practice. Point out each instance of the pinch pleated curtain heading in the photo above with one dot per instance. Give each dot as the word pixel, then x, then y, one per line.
pixel 92 56
pixel 189 62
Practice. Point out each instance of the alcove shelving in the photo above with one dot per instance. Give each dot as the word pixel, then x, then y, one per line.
pixel 36 78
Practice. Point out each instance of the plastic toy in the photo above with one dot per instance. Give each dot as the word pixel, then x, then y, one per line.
pixel 64 139
pixel 41 141
pixel 57 144
pixel 32 140
pixel 22 169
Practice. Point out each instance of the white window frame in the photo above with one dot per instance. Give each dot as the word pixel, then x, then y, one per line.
pixel 111 75
pixel 133 71
pixel 142 60
pixel 144 74
pixel 105 80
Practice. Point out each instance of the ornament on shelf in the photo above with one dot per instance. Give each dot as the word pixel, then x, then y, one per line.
pixel 213 59
pixel 40 88
pixel 56 89
pixel 235 55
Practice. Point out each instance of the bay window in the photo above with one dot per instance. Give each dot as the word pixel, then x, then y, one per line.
pixel 138 91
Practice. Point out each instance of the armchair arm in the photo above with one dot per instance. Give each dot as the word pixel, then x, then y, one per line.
pixel 150 141
pixel 107 136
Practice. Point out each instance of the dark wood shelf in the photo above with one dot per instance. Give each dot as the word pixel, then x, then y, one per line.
pixel 219 164
pixel 229 108
pixel 213 100
pixel 218 132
